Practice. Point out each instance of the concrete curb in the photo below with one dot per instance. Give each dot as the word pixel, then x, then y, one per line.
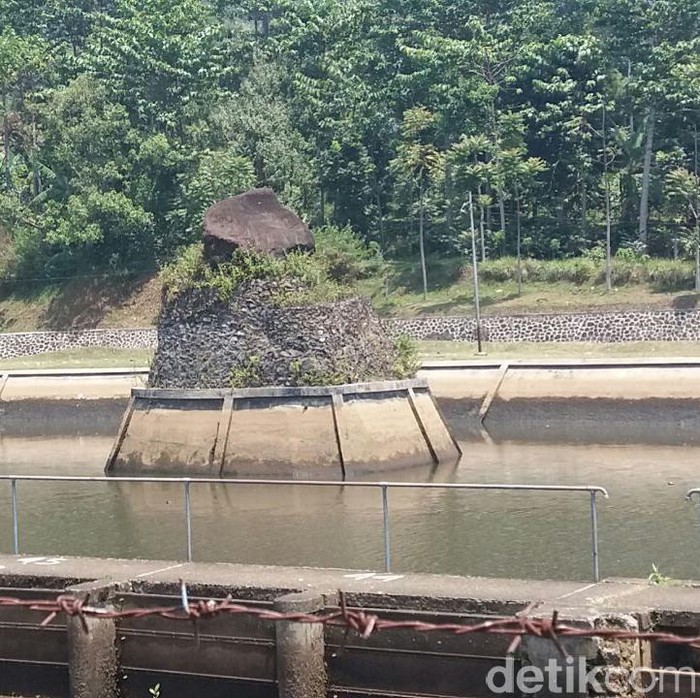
pixel 488 364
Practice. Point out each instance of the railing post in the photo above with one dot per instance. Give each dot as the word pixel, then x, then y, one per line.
pixel 594 535
pixel 387 532
pixel 188 520
pixel 15 518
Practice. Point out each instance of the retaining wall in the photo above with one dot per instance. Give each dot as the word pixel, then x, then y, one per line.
pixel 641 326
pixel 14 344
pixel 330 432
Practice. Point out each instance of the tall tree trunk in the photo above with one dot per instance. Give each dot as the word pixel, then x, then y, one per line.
pixel 608 225
pixel 322 217
pixel 697 212
pixel 6 141
pixel 489 215
pixel 421 238
pixel 502 211
pixel 608 240
pixel 519 256
pixel 646 179
pixel 697 255
pixel 448 199
pixel 380 213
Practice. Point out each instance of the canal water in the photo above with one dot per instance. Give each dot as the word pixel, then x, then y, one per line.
pixel 530 534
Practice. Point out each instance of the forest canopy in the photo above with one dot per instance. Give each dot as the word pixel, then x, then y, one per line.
pixel 122 120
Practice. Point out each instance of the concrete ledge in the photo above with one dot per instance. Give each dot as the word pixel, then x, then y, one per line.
pixel 415 591
pixel 490 364
pixel 282 391
pixel 76 372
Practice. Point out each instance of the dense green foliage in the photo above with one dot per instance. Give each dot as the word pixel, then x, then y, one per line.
pixel 121 120
pixel 302 278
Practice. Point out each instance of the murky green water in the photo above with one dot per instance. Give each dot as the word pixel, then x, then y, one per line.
pixel 645 522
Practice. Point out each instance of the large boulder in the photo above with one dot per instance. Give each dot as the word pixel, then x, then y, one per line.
pixel 255 221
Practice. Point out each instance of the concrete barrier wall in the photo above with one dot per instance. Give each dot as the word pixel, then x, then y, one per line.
pixel 632 379
pixel 243 654
pixel 326 433
pixel 658 326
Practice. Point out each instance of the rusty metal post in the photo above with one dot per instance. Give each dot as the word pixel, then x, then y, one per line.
pixel 301 668
pixel 93 664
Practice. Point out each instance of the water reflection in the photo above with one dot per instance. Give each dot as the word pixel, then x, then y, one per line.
pixel 479 533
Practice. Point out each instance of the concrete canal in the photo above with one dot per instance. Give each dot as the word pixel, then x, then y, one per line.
pixel 538 535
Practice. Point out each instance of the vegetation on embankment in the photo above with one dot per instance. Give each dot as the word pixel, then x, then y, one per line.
pixel 121 121
pixel 395 288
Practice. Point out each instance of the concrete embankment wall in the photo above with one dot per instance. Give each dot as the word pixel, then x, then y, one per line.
pixel 641 326
pixel 620 401
pixel 603 327
pixel 255 657
pixel 76 402
pixel 600 401
pixel 331 433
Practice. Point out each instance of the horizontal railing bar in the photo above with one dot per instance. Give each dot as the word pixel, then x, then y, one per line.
pixel 312 483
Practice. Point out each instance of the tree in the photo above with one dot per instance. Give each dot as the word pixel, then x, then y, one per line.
pixel 417 160
pixel 684 195
pixel 20 61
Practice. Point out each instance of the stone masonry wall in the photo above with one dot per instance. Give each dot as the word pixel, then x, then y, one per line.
pixel 658 326
pixel 14 344
pixel 642 326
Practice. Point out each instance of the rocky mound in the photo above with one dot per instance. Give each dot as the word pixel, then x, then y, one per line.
pixel 250 341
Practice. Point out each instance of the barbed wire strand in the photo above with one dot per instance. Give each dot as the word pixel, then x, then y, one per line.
pixel 365 624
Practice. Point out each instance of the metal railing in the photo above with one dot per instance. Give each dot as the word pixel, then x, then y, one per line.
pixel 592 490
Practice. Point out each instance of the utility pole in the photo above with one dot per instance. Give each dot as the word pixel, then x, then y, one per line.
pixel 697 212
pixel 608 236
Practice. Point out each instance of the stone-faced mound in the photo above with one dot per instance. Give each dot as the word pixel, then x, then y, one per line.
pixel 249 341
pixel 255 221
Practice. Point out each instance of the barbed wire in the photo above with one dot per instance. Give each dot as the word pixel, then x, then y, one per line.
pixel 364 623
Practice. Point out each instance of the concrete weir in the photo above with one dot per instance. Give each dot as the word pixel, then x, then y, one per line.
pixel 330 432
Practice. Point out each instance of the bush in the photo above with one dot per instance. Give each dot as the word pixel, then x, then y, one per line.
pixel 191 270
pixel 577 271
pixel 407 362
pixel 670 275
pixel 629 267
pixel 345 255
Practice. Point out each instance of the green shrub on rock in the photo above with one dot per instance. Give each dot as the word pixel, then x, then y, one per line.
pixel 190 270
pixel 407 361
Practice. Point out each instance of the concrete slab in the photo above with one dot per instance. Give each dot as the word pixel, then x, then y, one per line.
pixel 674 605
pixel 424 592
pixel 70 387
pixel 33 570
